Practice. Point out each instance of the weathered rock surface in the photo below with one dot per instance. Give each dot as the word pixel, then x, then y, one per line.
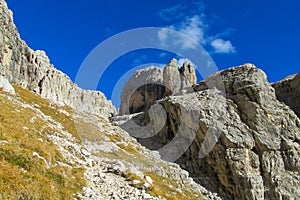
pixel 241 143
pixel 33 70
pixel 244 145
pixel 288 91
pixel 149 85
pixel 6 86
pixel 116 166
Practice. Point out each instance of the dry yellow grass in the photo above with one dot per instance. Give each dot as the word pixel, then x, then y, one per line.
pixel 49 109
pixel 166 188
pixel 22 174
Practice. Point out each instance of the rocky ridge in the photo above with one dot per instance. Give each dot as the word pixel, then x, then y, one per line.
pixel 33 70
pixel 255 145
pixel 51 130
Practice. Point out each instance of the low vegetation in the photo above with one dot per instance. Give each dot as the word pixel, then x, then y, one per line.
pixel 29 162
pixel 50 109
pixel 168 189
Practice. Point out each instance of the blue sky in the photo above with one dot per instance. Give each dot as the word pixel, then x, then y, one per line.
pixel 233 32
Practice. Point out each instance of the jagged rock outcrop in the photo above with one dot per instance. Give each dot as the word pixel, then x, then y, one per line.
pixel 288 91
pixel 149 85
pixel 32 70
pixel 244 144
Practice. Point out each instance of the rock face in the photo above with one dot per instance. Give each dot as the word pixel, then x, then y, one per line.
pixel 241 143
pixel 288 91
pixel 32 70
pixel 148 85
pixel 79 154
pixel 244 145
pixel 6 86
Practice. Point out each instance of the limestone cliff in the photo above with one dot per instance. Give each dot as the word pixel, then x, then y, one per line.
pixel 33 70
pixel 255 137
pixel 151 84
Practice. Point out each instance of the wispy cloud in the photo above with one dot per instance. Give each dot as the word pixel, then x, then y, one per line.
pixel 248 13
pixel 223 46
pixel 194 24
pixel 163 54
pixel 139 60
pixel 194 27
pixel 168 14
pixel 182 10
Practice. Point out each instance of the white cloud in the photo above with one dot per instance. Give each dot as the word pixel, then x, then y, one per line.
pixel 223 46
pixel 193 24
pixel 169 37
pixel 194 28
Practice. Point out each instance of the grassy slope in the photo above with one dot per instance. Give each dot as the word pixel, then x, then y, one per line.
pixel 23 135
pixel 25 176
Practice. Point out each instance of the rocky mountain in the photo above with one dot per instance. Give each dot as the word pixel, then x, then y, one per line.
pixel 242 144
pixel 33 71
pixel 232 136
pixel 56 141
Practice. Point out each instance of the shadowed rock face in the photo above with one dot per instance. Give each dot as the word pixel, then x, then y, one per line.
pixel 151 84
pixel 255 145
pixel 288 91
pixel 145 96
